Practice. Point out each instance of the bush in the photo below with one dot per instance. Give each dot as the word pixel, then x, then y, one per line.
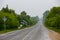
pixel 53 18
pixel 11 23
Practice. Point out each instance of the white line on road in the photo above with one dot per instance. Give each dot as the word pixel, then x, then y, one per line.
pixel 30 33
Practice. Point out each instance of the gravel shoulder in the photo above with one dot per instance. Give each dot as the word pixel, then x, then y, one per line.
pixel 54 35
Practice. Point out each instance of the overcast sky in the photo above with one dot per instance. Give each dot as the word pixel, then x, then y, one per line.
pixel 32 7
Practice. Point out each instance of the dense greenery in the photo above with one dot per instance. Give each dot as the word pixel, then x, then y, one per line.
pixel 11 23
pixel 26 20
pixel 14 20
pixel 7 10
pixel 45 15
pixel 52 19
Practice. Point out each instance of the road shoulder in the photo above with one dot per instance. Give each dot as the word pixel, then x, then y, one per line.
pixel 54 35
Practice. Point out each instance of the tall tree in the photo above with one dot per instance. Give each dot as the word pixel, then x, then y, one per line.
pixel 53 18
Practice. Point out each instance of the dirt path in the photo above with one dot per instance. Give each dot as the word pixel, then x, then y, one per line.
pixel 54 36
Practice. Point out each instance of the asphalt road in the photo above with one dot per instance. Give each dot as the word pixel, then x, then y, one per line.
pixel 36 32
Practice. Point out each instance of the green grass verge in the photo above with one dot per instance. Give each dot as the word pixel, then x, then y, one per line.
pixel 54 29
pixel 3 31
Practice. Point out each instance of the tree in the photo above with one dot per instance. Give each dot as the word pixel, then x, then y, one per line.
pixel 7 10
pixel 23 13
pixel 45 15
pixel 11 23
pixel 26 20
pixel 53 18
pixel 14 20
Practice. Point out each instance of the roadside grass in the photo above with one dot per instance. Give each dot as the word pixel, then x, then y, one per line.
pixel 54 29
pixel 5 31
pixel 9 30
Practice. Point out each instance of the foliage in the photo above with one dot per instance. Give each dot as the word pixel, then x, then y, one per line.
pixel 7 10
pixel 45 15
pixel 34 20
pixel 11 22
pixel 14 20
pixel 26 20
pixel 53 18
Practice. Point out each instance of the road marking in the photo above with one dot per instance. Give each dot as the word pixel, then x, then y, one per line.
pixel 29 34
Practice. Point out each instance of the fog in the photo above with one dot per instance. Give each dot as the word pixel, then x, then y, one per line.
pixel 32 7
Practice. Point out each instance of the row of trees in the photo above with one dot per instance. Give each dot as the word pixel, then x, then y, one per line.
pixel 14 20
pixel 52 18
pixel 26 20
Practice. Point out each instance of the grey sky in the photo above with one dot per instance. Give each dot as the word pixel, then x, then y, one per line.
pixel 32 7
